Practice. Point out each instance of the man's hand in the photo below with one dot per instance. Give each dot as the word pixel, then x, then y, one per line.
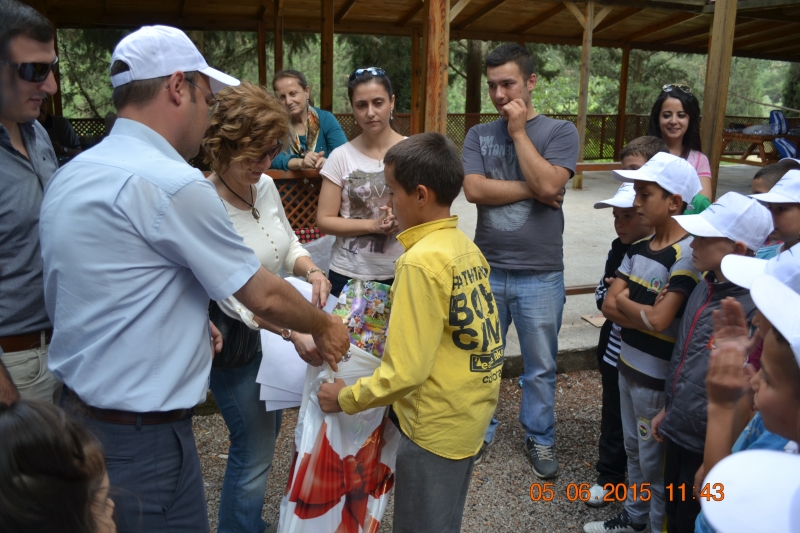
pixel 517 115
pixel 655 424
pixel 333 341
pixel 216 339
pixel 328 396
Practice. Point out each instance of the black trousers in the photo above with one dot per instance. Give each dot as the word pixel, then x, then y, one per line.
pixel 612 462
pixel 338 281
pixel 680 466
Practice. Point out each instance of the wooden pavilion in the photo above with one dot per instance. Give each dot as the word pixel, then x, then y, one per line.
pixel 764 29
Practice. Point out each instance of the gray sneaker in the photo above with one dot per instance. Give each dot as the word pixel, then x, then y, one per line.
pixel 483 452
pixel 544 461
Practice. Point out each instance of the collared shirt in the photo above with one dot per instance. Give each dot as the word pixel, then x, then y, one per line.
pixel 443 359
pixel 22 183
pixel 134 243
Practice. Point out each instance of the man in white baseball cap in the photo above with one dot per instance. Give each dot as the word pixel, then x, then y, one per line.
pixel 783 201
pixel 755 491
pixel 672 173
pixel 134 243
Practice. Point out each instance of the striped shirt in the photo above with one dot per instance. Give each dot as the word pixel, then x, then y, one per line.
pixel 644 355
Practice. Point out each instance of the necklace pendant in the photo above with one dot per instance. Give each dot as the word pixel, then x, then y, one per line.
pixel 256 214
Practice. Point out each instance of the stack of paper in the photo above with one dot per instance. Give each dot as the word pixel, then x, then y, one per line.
pixel 282 372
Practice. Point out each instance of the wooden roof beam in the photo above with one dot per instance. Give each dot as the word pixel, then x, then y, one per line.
pixel 769 43
pixel 673 21
pixel 686 35
pixel 456 9
pixel 343 11
pixel 480 13
pixel 622 14
pixel 785 49
pixel 757 37
pixel 542 17
pixel 410 14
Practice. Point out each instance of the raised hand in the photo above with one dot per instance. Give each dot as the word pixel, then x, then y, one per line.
pixel 517 115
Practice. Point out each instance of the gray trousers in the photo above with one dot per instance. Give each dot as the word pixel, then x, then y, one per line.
pixel 28 371
pixel 430 491
pixel 638 406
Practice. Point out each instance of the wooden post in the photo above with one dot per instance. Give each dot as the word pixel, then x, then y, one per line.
pixel 326 62
pixel 277 14
pixel 262 54
pixel 416 117
pixel 718 71
pixel 583 96
pixel 437 55
pixel 623 100
pixel 57 104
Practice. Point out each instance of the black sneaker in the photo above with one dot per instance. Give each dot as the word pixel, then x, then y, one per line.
pixel 619 524
pixel 483 452
pixel 544 461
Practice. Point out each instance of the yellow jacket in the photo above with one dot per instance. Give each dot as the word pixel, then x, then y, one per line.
pixel 444 355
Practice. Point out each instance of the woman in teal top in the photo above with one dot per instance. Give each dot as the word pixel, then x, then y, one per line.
pixel 315 133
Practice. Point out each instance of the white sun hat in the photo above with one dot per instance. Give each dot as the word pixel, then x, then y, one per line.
pixel 785 267
pixel 786 191
pixel 674 174
pixel 733 216
pixel 623 198
pixel 157 51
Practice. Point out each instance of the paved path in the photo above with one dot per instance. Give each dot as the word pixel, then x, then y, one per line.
pixel 587 238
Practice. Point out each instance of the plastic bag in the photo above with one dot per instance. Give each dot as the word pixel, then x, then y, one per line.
pixel 343 469
pixel 365 307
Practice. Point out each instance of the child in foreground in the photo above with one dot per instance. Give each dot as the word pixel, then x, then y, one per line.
pixel 442 364
pixel 733 225
pixel 649 329
pixel 776 389
pixel 612 461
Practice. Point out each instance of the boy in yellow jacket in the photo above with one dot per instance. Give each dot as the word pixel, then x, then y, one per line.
pixel 443 359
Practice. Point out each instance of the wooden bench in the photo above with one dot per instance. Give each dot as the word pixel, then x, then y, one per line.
pixel 756 142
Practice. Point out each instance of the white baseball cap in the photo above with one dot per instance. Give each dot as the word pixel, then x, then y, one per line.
pixel 733 216
pixel 674 174
pixel 623 198
pixel 781 306
pixel 760 492
pixel 157 51
pixel 786 191
pixel 785 267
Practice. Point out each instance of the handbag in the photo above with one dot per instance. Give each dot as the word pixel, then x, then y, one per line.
pixel 240 344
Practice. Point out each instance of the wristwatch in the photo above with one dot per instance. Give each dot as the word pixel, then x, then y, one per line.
pixel 286 334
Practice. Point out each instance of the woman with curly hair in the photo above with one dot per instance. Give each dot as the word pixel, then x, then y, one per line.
pixel 247 130
pixel 675 118
pixel 52 473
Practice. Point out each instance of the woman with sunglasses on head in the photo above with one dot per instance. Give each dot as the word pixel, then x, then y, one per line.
pixel 315 133
pixel 352 202
pixel 675 118
pixel 247 128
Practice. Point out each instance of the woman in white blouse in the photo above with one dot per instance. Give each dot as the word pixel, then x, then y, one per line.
pixel 246 132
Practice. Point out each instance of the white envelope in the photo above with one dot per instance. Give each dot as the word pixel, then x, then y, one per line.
pixel 272 393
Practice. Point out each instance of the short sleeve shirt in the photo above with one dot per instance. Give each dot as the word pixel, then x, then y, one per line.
pixel 364 192
pixel 134 242
pixel 524 235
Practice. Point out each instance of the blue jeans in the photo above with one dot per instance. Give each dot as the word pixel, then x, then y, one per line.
pixel 534 301
pixel 253 432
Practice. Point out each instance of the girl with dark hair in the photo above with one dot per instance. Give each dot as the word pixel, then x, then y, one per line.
pixel 315 133
pixel 352 202
pixel 675 118
pixel 52 473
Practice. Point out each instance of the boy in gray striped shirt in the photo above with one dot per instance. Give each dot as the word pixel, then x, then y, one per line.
pixel 649 328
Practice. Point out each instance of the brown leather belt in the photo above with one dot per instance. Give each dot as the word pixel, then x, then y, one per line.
pixel 29 341
pixel 127 418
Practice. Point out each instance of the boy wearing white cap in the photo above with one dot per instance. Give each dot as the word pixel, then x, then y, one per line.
pixel 783 201
pixel 733 225
pixel 649 328
pixel 776 388
pixel 134 241
pixel 612 460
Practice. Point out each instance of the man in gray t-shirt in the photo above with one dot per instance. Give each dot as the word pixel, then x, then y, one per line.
pixel 516 171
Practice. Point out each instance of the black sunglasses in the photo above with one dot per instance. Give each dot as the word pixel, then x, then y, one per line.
pixel 375 71
pixel 33 72
pixel 271 153
pixel 672 86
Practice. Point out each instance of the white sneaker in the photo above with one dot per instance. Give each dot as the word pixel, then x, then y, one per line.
pixel 619 524
pixel 597 497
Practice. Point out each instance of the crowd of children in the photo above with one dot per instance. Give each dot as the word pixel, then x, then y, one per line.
pixel 699 354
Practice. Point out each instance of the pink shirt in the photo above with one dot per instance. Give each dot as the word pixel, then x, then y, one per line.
pixel 700 163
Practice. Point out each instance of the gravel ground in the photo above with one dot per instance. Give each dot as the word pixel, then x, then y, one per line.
pixel 498 499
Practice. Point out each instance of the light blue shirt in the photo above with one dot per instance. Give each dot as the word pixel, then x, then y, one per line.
pixel 134 242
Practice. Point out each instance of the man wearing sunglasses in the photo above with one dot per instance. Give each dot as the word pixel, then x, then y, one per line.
pixel 27 162
pixel 134 242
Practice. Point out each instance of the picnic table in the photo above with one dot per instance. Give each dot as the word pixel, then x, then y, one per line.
pixel 756 142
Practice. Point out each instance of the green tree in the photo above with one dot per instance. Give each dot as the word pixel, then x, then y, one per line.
pixel 791 87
